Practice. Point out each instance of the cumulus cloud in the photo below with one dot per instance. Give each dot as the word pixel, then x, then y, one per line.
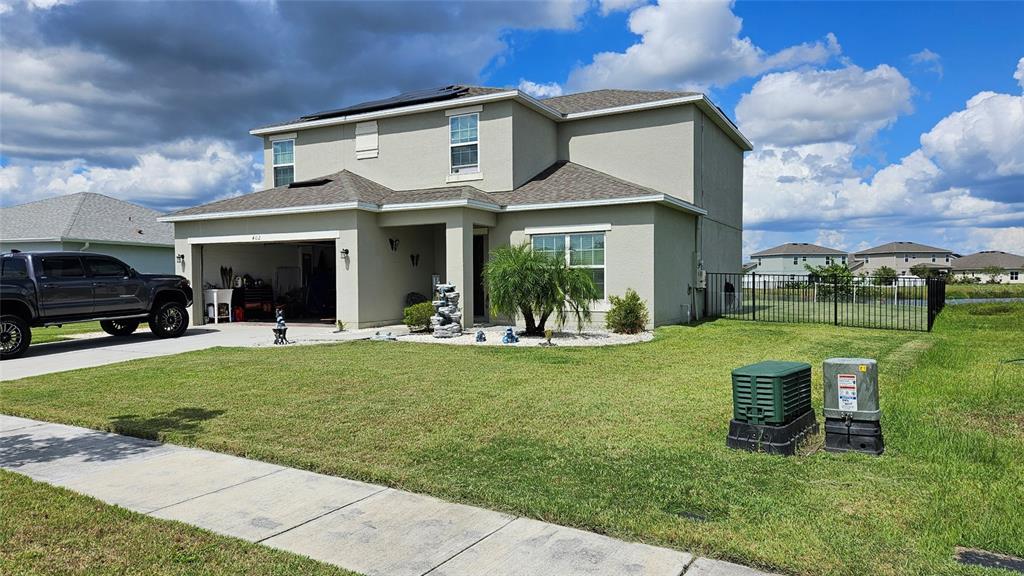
pixel 809 106
pixel 1010 239
pixel 928 60
pixel 164 177
pixel 536 90
pixel 691 45
pixel 609 6
pixel 1019 74
pixel 831 239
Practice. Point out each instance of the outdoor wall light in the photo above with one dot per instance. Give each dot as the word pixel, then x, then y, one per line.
pixel 344 252
pixel 180 258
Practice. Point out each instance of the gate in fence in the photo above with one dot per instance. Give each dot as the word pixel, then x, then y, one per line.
pixel 862 301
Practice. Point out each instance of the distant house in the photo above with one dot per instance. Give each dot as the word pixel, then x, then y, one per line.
pixel 91 222
pixel 901 257
pixel 976 264
pixel 792 258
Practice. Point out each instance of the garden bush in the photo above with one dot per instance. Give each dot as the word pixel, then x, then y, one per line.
pixel 628 314
pixel 417 316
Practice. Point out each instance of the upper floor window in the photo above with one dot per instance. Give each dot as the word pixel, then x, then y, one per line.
pixel 284 162
pixel 464 143
pixel 796 260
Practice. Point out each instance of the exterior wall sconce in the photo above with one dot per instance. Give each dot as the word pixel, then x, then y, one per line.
pixel 344 252
pixel 393 244
pixel 180 258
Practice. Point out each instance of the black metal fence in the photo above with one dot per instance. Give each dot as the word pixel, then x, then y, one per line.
pixel 861 301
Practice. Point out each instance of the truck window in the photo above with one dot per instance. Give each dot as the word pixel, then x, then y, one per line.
pixel 62 267
pixel 106 267
pixel 15 268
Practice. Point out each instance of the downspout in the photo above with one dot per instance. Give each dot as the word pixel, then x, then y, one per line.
pixel 698 230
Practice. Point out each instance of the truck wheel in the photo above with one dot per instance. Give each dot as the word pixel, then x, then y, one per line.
pixel 15 336
pixel 119 327
pixel 169 320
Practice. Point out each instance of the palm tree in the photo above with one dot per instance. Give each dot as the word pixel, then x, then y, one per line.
pixel 522 281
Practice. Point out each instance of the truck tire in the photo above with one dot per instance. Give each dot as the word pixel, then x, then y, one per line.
pixel 119 327
pixel 169 320
pixel 15 336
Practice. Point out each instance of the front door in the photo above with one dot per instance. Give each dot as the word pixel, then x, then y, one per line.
pixel 64 289
pixel 479 256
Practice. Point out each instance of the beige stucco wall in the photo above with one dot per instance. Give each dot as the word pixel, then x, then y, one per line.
pixel 535 144
pixel 897 262
pixel 653 148
pixel 676 298
pixel 413 151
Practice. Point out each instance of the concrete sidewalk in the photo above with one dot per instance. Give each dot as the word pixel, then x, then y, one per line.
pixel 370 529
pixel 99 349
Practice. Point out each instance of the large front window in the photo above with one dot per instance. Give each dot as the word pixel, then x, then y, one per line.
pixel 464 143
pixel 284 162
pixel 584 251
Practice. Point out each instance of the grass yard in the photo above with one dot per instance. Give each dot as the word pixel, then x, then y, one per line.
pixel 54 334
pixel 49 530
pixel 984 291
pixel 627 441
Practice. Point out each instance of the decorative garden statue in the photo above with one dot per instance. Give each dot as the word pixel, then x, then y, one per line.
pixel 280 329
pixel 509 337
pixel 480 336
pixel 446 321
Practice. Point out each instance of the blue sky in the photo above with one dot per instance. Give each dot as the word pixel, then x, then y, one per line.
pixel 872 121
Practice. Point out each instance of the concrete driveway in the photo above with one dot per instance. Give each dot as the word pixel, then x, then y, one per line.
pixel 88 350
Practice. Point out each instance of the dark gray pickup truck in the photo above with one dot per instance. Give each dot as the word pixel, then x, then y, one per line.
pixel 55 288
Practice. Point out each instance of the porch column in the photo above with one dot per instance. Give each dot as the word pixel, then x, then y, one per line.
pixel 192 269
pixel 459 262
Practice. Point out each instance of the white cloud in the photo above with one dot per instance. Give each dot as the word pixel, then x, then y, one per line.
pixel 540 90
pixel 609 6
pixel 1009 239
pixel 831 238
pixel 807 106
pixel 691 45
pixel 178 174
pixel 928 60
pixel 1019 74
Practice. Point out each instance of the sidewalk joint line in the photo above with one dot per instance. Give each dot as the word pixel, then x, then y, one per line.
pixel 485 536
pixel 281 469
pixel 319 516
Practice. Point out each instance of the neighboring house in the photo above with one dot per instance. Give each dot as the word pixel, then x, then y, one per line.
pixel 793 258
pixel 901 257
pixel 91 222
pixel 641 188
pixel 976 264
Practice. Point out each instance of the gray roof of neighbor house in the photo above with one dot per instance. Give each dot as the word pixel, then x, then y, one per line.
pixel 901 247
pixel 562 182
pixel 608 98
pixel 798 248
pixel 988 258
pixel 85 216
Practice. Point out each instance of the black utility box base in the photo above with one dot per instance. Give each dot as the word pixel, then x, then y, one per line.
pixel 771 439
pixel 861 436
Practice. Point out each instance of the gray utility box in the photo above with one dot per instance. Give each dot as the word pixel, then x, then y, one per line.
pixel 852 415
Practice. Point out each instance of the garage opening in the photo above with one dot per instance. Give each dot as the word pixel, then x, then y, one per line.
pixel 244 282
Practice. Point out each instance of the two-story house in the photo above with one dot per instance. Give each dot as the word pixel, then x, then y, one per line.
pixel 368 203
pixel 901 257
pixel 793 258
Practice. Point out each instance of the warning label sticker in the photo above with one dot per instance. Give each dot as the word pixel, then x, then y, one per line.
pixel 847 392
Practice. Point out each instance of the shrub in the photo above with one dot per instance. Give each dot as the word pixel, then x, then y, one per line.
pixel 628 314
pixel 417 316
pixel 522 281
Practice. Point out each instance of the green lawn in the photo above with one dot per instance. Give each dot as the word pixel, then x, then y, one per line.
pixel 54 334
pixel 984 291
pixel 627 441
pixel 47 530
pixel 862 314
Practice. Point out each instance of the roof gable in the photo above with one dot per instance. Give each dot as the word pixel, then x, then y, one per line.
pixel 987 258
pixel 798 249
pixel 901 247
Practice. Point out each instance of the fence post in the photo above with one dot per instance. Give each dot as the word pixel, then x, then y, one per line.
pixel 753 296
pixel 835 300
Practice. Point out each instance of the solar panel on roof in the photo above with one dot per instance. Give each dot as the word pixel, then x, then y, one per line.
pixel 405 99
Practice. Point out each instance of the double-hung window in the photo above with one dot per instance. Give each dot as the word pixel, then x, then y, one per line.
pixel 464 143
pixel 284 162
pixel 584 251
pixel 1014 275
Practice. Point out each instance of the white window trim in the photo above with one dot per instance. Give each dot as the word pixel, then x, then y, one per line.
pixel 601 305
pixel 288 136
pixel 468 171
pixel 582 228
pixel 463 111
pixel 274 165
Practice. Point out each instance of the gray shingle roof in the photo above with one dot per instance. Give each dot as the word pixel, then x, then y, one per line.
pixel 85 216
pixel 561 182
pixel 901 247
pixel 601 99
pixel 983 260
pixel 798 248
